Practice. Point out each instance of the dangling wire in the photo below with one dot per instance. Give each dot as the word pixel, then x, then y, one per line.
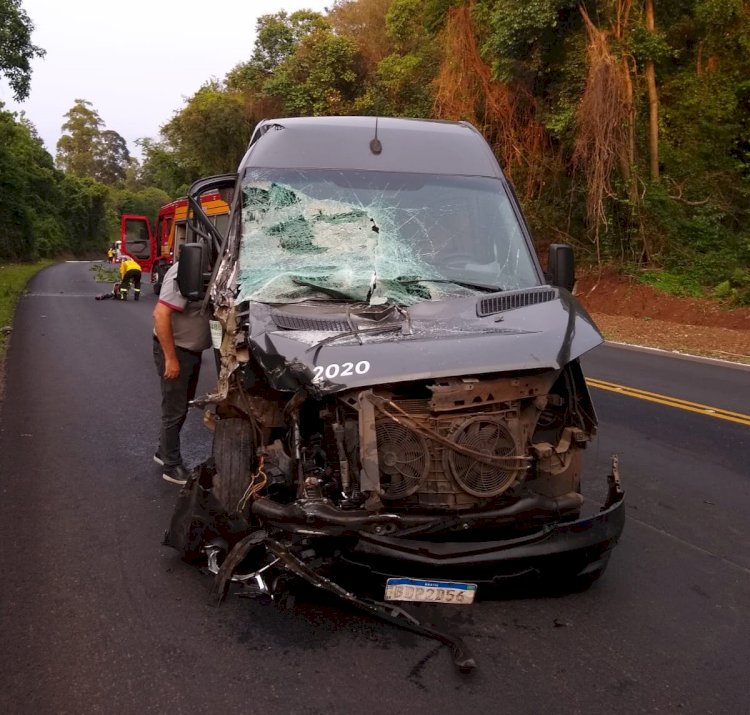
pixel 258 482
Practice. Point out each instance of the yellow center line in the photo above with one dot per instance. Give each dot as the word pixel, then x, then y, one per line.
pixel 707 410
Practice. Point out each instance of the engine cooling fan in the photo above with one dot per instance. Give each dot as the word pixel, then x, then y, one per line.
pixel 403 458
pixel 487 436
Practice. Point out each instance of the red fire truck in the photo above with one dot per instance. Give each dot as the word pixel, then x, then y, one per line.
pixel 155 248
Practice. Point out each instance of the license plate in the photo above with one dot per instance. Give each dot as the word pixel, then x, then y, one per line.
pixel 410 589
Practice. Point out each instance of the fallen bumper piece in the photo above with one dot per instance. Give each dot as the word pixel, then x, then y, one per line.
pixel 395 615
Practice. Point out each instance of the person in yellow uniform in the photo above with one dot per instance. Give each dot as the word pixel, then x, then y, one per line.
pixel 130 272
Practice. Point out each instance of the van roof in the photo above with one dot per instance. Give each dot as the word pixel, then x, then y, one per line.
pixel 420 146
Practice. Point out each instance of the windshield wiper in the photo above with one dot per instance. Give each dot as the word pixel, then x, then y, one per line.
pixel 332 292
pixel 463 284
pixel 356 333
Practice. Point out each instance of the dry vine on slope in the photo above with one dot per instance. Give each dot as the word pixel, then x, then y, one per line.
pixel 464 89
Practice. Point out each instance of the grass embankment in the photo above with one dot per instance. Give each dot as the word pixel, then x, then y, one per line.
pixel 13 280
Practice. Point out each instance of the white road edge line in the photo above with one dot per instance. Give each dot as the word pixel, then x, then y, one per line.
pixel 678 354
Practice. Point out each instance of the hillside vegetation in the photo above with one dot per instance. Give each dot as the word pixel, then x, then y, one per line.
pixel 623 124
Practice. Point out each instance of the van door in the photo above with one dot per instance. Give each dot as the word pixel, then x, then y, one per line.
pixel 138 240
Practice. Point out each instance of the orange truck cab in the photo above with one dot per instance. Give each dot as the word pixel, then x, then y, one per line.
pixel 155 249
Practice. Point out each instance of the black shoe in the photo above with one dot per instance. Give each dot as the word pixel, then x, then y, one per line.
pixel 176 475
pixel 136 297
pixel 158 459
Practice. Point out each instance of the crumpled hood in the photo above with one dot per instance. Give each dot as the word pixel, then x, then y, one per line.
pixel 434 340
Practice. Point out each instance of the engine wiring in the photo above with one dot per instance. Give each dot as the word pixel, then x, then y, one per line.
pixel 257 483
pixel 508 461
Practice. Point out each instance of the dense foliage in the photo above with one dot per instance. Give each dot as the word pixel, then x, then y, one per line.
pixel 45 211
pixel 624 124
pixel 16 48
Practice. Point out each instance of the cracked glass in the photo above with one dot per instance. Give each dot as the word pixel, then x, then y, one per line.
pixel 377 237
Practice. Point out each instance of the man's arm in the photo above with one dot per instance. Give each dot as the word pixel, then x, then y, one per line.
pixel 163 328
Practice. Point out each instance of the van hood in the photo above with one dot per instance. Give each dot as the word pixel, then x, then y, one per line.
pixel 327 347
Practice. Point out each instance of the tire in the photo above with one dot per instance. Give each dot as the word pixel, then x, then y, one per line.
pixel 234 457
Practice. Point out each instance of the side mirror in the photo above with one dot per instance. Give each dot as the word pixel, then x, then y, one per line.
pixel 190 271
pixel 561 270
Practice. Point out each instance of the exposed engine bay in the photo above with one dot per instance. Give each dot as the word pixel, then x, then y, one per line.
pixel 403 456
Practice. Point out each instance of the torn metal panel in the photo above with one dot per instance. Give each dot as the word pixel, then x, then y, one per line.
pixel 463 393
pixel 395 615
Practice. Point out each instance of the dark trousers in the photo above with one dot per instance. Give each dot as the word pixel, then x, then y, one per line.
pixel 175 396
pixel 132 276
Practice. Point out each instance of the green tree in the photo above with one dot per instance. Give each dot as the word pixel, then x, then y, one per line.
pixel 113 158
pixel 16 48
pixel 30 194
pixel 43 211
pixel 86 148
pixel 323 76
pixel 144 202
pixel 210 134
pixel 401 84
pixel 277 38
pixel 162 168
pixel 78 149
pixel 86 214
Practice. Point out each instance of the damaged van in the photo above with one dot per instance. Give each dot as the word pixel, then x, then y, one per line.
pixel 399 390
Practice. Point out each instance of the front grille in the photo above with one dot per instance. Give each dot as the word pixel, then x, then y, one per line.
pixel 516 299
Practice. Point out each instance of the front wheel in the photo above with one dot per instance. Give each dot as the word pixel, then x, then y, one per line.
pixel 234 456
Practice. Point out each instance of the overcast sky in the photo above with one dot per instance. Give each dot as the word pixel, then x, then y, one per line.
pixel 135 61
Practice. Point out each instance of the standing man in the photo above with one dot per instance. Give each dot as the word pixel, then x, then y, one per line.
pixel 130 272
pixel 181 334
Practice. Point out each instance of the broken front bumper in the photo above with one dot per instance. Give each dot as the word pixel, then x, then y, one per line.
pixel 573 549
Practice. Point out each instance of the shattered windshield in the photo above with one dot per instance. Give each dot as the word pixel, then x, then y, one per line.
pixel 377 237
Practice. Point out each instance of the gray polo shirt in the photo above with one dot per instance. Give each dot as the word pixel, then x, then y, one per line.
pixel 190 329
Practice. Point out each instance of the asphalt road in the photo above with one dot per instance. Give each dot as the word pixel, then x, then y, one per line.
pixel 97 616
